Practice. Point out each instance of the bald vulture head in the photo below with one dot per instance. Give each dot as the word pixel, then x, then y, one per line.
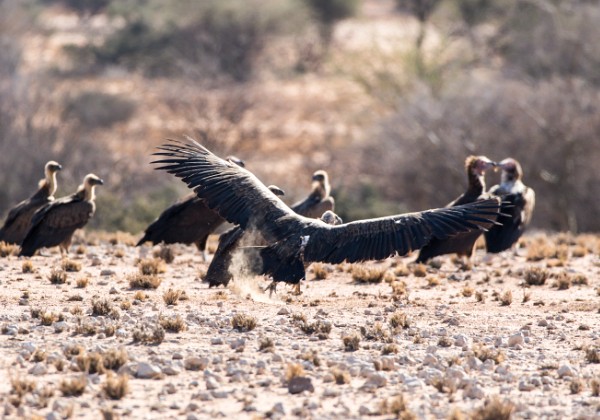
pixel 50 171
pixel 511 171
pixel 321 182
pixel 331 218
pixel 89 184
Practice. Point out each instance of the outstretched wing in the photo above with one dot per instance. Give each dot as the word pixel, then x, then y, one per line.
pixel 233 192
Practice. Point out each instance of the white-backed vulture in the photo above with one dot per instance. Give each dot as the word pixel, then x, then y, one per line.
pixel 188 221
pixel 462 244
pixel 520 201
pixel 17 222
pixel 293 241
pixel 55 223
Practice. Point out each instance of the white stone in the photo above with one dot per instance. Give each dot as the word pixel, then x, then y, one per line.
pixel 566 370
pixel 38 369
pixel 461 341
pixel 147 371
pixel 516 340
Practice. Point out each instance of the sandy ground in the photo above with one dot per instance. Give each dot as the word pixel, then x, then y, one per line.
pixel 462 346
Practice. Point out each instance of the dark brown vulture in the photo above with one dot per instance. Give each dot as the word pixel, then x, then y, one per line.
pixel 55 223
pixel 520 200
pixel 293 241
pixel 189 221
pixel 17 222
pixel 462 244
pixel 318 203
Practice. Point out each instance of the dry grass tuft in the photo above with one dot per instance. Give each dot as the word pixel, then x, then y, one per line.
pixel 319 327
pixel 165 253
pixel 21 386
pixel 243 322
pixel 541 248
pixel 351 342
pixel 149 335
pixel 70 266
pixel 398 407
pixel 341 376
pixel 506 298
pixel 375 333
pixel 144 281
pixel 398 320
pixel 293 370
pixel 114 358
pixel 595 387
pixel 103 307
pixel 592 355
pixel 266 344
pixel 399 290
pixel 47 318
pixel 536 276
pixel 401 270
pixel 90 363
pixel 369 275
pixel 27 267
pixel 419 270
pixel 73 387
pixel 494 409
pixel 76 310
pixel 58 277
pixel 116 387
pixel 173 324
pixel 479 296
pixel 579 251
pixel 8 249
pixel 389 349
pixel 83 282
pixel 433 281
pixel 563 281
pixel 320 271
pixel 483 353
pixel 141 296
pixel 151 267
pixel 172 296
pixel 576 386
pixel 467 291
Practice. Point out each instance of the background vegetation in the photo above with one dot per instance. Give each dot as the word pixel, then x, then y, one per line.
pixel 388 96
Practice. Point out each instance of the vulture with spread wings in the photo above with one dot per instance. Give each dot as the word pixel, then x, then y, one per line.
pixel 293 240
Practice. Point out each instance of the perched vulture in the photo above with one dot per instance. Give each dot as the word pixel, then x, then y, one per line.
pixel 293 241
pixel 520 203
pixel 55 223
pixel 318 203
pixel 462 244
pixel 189 221
pixel 19 217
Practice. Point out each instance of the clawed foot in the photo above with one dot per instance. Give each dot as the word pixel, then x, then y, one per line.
pixel 272 287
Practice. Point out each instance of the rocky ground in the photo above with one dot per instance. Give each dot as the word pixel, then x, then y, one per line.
pixel 92 335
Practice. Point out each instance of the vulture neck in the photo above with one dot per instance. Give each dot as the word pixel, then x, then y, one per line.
pixel 50 183
pixel 476 183
pixel 86 192
pixel 320 190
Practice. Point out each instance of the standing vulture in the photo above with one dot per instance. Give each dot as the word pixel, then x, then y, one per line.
pixel 55 223
pixel 318 203
pixel 293 241
pixel 189 221
pixel 462 244
pixel 19 217
pixel 520 200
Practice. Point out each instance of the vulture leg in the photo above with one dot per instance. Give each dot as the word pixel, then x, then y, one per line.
pixel 272 287
pixel 296 290
pixel 201 245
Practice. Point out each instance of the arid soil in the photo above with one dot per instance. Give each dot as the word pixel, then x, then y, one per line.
pixel 394 339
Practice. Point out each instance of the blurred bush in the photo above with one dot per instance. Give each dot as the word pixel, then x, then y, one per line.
pixel 97 109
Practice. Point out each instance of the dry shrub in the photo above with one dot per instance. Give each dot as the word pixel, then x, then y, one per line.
pixel 119 253
pixel 445 342
pixel 592 355
pixel 8 249
pixel 580 279
pixel 399 290
pixel 494 409
pixel 526 297
pixel 27 267
pixel 144 281
pixel 579 251
pixel 70 266
pixel 151 267
pixel 90 363
pixel 266 344
pixel 116 387
pixel 76 310
pixel 149 334
pixel 479 297
pixel 341 376
pixel 467 291
pixel 141 296
pixel 536 276
pixel 419 270
pixel 114 358
pixel 595 387
pixel 75 298
pixel 293 370
pixel 172 296
pixel 243 322
pixel 351 341
pixel 103 307
pixel 399 320
pixel 73 387
pixel 83 282
pixel 320 271
pixel 48 318
pixel 401 270
pixel 389 349
pixel 318 327
pixel 165 253
pixel 21 386
pixel 125 305
pixel 369 275
pixel 576 385
pixel 483 353
pixel 57 277
pixel 433 281
pixel 506 298
pixel 375 333
pixel 541 248
pixel 80 250
pixel 173 324
pixel 398 407
pixel 563 281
